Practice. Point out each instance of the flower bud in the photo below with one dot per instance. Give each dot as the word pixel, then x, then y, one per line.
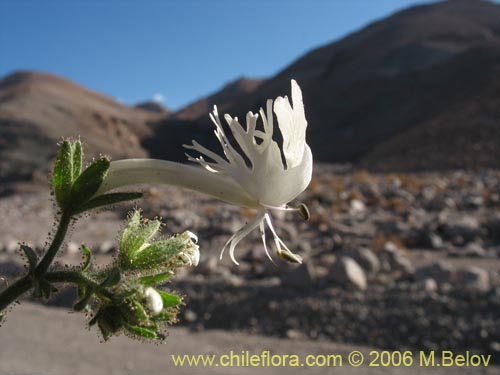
pixel 154 302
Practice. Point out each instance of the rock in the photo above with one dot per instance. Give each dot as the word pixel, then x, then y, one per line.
pixel 403 264
pixel 356 207
pixel 72 249
pixel 303 277
pixel 428 285
pixel 435 241
pixel 346 271
pixel 465 228
pixel 10 269
pixel 366 259
pixel 474 250
pixel 107 247
pixel 294 334
pixel 493 226
pixel 11 246
pixel 190 316
pixel 396 260
pixel 208 266
pixel 473 278
pixel 439 271
pixel 473 202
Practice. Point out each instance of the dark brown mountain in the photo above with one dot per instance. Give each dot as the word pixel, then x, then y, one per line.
pixel 154 107
pixel 418 89
pixel 37 109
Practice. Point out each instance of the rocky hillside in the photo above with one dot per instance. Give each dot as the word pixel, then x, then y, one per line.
pixel 37 109
pixel 417 90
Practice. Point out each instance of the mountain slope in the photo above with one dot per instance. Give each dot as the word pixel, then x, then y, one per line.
pixel 37 109
pixel 372 95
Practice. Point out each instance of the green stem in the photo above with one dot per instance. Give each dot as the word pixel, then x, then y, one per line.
pixel 51 253
pixel 76 277
pixel 14 291
pixel 27 282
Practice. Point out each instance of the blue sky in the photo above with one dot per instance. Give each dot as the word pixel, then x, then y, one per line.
pixel 177 51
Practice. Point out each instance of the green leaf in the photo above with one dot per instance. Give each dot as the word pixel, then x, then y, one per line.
pixel 107 199
pixel 157 254
pixel 155 279
pixel 83 302
pixel 77 158
pixel 164 316
pixel 62 176
pixel 87 255
pixel 109 320
pixel 31 255
pixel 169 300
pixel 87 184
pixel 113 278
pixel 142 331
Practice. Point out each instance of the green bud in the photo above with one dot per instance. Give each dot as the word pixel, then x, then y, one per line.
pixel 62 176
pixel 169 300
pixel 136 234
pixel 155 279
pixel 157 254
pixel 77 156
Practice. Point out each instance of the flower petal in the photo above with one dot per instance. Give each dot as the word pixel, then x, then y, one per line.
pixel 239 235
pixel 292 123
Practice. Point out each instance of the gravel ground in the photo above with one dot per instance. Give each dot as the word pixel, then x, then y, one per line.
pixel 38 340
pixel 391 260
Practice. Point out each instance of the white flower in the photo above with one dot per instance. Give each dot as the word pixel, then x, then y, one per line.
pixel 190 256
pixel 261 175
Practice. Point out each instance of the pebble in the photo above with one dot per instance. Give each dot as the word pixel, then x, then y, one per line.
pixel 347 272
pixel 473 278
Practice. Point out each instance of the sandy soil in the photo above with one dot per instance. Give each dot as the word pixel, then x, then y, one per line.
pixel 42 340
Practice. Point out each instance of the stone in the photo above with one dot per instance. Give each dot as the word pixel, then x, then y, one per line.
pixel 428 285
pixel 208 266
pixel 403 264
pixel 107 247
pixel 473 278
pixel 473 250
pixel 493 226
pixel 72 249
pixel 11 246
pixel 436 242
pixel 356 207
pixel 303 277
pixel 366 259
pixel 347 272
pixel 466 228
pixel 190 316
pixel 441 272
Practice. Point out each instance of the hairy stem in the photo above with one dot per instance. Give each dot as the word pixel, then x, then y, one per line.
pixel 14 291
pixel 51 253
pixel 21 286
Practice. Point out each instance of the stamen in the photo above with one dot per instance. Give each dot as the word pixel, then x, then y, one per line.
pixel 289 256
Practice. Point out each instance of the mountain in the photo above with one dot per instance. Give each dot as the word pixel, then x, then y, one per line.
pixel 416 90
pixel 153 107
pixel 37 109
